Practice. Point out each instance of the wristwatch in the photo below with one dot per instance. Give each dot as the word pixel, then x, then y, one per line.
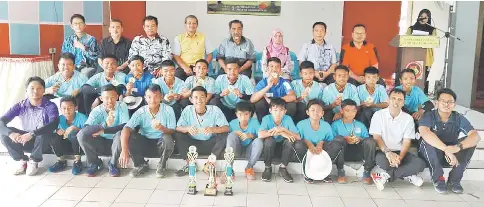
pixel 460 146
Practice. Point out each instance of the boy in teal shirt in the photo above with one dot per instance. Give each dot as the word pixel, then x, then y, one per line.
pixel 68 81
pixel 306 89
pixel 171 87
pixel 373 96
pixel 199 79
pixel 416 102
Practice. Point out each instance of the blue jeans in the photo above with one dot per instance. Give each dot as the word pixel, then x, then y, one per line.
pixel 254 149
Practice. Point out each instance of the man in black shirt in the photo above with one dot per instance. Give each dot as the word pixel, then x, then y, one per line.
pixel 116 45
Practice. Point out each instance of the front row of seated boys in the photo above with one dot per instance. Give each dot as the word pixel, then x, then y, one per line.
pixel 153 127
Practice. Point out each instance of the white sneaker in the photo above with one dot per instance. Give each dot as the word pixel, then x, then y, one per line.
pixel 380 179
pixel 415 180
pixel 22 165
pixel 32 168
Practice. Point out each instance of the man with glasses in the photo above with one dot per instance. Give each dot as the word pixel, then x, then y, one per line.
pixel 440 129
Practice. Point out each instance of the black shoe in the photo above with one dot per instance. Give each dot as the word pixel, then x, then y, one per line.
pixel 308 180
pixel 267 174
pixel 182 172
pixel 285 175
pixel 455 187
pixel 440 186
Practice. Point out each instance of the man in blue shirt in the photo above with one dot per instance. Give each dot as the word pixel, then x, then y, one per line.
pixel 171 87
pixel 271 87
pixel 440 131
pixel 82 45
pixel 66 82
pixel 306 89
pixel 156 123
pixel 318 135
pixel 101 125
pixel 359 146
pixel 278 131
pixel 199 79
pixel 416 102
pixel 373 96
pixel 70 122
pixel 200 125
pixel 231 88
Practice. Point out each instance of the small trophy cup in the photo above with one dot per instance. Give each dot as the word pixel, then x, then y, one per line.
pixel 229 158
pixel 211 188
pixel 192 170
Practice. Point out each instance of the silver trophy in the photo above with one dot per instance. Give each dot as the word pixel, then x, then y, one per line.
pixel 192 170
pixel 211 188
pixel 229 171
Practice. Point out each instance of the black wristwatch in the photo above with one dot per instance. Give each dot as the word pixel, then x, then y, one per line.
pixel 460 146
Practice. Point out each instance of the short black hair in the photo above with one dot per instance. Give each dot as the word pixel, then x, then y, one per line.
pixel 154 88
pixel 371 70
pixel 78 16
pixel 407 70
pixel 446 91
pixel 278 102
pixel 315 102
pixel 35 78
pixel 320 23
pixel 245 106
pixel 71 99
pixel 274 59
pixel 342 67
pixel 231 61
pixel 348 102
pixel 199 88
pixel 150 18
pixel 68 55
pixel 191 16
pixel 202 61
pixel 137 57
pixel 167 63
pixel 118 21
pixel 306 65
pixel 112 56
pixel 359 25
pixel 397 90
pixel 109 87
pixel 235 21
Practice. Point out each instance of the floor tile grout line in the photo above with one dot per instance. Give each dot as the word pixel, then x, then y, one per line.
pixel 54 185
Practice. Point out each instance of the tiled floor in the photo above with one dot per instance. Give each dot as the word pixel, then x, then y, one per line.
pixel 63 189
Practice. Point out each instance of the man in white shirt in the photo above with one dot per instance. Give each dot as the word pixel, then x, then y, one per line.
pixel 392 130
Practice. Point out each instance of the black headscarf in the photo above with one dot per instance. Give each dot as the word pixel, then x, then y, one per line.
pixel 423 27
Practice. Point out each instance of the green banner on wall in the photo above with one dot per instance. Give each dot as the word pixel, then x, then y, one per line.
pixel 258 8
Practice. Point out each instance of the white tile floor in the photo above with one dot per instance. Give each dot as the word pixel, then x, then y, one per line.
pixel 63 189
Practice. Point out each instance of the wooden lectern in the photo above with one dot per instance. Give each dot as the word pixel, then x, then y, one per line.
pixel 412 52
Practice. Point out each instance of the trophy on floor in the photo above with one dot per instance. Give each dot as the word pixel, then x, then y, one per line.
pixel 192 170
pixel 211 188
pixel 229 171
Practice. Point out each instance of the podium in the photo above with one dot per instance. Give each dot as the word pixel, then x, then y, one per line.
pixel 412 52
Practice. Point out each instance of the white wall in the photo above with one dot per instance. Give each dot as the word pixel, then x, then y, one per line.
pixel 296 20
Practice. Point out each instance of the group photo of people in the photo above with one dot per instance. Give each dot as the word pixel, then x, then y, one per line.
pixel 154 97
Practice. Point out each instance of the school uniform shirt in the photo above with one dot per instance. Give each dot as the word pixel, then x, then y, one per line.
pixel 243 83
pixel 79 120
pixel 392 130
pixel 143 118
pixel 281 89
pixel 177 87
pixel 98 116
pixel 252 128
pixel 67 87
pixel 324 133
pixel 416 98
pixel 315 91
pixel 448 132
pixel 379 95
pixel 213 117
pixel 268 123
pixel 99 80
pixel 140 85
pixel 208 84
pixel 330 93
pixel 344 129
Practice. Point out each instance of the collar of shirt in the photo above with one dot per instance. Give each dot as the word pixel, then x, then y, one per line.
pixel 314 42
pixel 242 39
pixel 121 39
pixel 193 36
pixel 42 103
pixel 352 44
pixel 438 119
pixel 388 115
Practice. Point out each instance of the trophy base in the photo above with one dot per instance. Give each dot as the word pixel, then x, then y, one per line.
pixel 228 192
pixel 192 190
pixel 210 191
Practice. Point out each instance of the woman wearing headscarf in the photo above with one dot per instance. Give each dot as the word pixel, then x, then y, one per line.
pixel 276 48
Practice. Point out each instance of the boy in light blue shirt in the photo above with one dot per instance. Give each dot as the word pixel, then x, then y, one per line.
pixel 200 125
pixel 231 88
pixel 199 79
pixel 104 121
pixel 318 136
pixel 156 122
pixel 359 145
pixel 416 102
pixel 243 135
pixel 171 87
pixel 338 91
pixel 70 122
pixel 68 81
pixel 278 130
pixel 373 96
pixel 306 89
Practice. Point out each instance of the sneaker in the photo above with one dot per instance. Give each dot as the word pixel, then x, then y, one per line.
pixel 328 179
pixel 380 179
pixel 308 180
pixel 250 174
pixel 58 166
pixel 113 170
pixel 182 172
pixel 440 185
pixel 22 166
pixel 455 187
pixel 267 174
pixel 32 168
pixel 415 180
pixel 160 171
pixel 285 175
pixel 140 170
pixel 367 178
pixel 94 168
pixel 77 167
pixel 342 179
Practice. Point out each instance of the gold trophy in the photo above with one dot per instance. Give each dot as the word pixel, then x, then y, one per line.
pixel 229 171
pixel 192 170
pixel 211 188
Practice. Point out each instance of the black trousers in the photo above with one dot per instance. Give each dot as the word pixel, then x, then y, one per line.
pixel 262 109
pixel 177 108
pixel 365 114
pixel 288 154
pixel 140 147
pixel 60 145
pixel 363 151
pixel 228 112
pixel 180 73
pixel 300 112
pixel 215 145
pixel 336 151
pixel 87 96
pixel 410 165
pixel 16 150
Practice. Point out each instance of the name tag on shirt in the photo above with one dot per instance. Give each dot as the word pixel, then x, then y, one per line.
pixel 358 130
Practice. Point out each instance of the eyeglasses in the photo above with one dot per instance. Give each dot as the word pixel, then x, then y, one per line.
pixel 397 99
pixel 447 102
